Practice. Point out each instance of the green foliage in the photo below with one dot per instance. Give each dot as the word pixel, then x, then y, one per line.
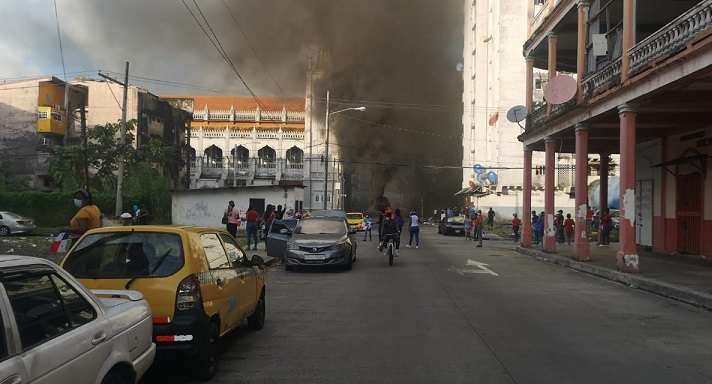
pixel 145 185
pixel 48 209
pixel 10 181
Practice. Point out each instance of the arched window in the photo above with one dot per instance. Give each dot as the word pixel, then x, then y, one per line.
pixel 191 153
pixel 295 155
pixel 267 156
pixel 213 157
pixel 241 155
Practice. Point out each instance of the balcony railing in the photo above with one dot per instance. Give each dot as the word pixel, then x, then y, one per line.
pixel 604 79
pixel 228 168
pixel 672 38
pixel 262 134
pixel 250 115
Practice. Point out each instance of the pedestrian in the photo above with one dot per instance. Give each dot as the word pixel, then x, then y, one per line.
pixel 251 218
pixel 232 215
pixel 443 215
pixel 605 230
pixel 559 226
pixel 290 214
pixel 88 215
pixel 279 214
pixel 267 219
pixel 399 222
pixel 589 221
pixel 490 218
pixel 479 223
pixel 538 228
pixel 467 225
pixel 516 224
pixel 367 228
pixel 569 228
pixel 414 229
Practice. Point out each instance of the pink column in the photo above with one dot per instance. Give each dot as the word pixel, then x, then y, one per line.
pixel 550 168
pixel 527 197
pixel 627 257
pixel 581 241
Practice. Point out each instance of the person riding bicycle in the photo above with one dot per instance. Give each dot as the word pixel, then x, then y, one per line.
pixel 389 231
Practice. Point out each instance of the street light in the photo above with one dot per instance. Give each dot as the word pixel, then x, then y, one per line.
pixel 326 163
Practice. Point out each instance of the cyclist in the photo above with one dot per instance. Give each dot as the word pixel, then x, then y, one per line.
pixel 389 231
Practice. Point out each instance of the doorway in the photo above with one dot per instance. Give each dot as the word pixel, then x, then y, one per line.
pixel 258 205
pixel 689 213
pixel 644 213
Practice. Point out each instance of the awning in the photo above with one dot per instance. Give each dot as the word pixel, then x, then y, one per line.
pixel 478 191
pixel 698 160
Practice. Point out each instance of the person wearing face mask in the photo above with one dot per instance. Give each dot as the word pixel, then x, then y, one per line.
pixel 87 217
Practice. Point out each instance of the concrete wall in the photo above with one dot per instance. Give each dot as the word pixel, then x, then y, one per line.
pixel 206 207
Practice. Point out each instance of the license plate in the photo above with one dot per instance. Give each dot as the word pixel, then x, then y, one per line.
pixel 314 257
pixel 458 231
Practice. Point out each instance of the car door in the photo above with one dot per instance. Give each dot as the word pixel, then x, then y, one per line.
pixel 247 292
pixel 277 238
pixel 12 370
pixel 224 285
pixel 60 331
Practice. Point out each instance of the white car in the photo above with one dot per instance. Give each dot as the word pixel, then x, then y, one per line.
pixel 54 330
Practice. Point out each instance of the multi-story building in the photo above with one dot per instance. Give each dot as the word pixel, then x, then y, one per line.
pixel 642 72
pixel 32 120
pixel 492 175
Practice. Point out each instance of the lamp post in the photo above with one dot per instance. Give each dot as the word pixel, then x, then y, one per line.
pixel 326 161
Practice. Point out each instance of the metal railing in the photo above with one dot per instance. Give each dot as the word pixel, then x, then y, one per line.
pixel 603 79
pixel 672 38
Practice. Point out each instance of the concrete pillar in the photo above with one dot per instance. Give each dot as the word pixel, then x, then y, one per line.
pixel 530 85
pixel 581 183
pixel 628 37
pixel 603 192
pixel 627 257
pixel 583 8
pixel 549 172
pixel 527 200
pixel 553 44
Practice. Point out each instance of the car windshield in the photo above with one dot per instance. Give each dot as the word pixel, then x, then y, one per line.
pixel 354 216
pixel 10 215
pixel 456 220
pixel 125 255
pixel 321 227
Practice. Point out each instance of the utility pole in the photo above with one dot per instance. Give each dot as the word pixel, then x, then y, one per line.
pixel 122 139
pixel 83 122
pixel 326 160
pixel 65 140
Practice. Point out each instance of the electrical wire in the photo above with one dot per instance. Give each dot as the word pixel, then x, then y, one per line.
pixel 59 38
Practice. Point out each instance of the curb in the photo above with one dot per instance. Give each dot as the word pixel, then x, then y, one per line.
pixel 672 291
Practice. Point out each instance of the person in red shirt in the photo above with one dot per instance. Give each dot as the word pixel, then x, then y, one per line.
pixel 251 228
pixel 516 224
pixel 569 228
pixel 606 224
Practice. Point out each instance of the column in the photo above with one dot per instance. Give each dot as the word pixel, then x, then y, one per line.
pixel 583 8
pixel 553 44
pixel 527 203
pixel 550 170
pixel 628 37
pixel 627 257
pixel 581 182
pixel 603 192
pixel 530 85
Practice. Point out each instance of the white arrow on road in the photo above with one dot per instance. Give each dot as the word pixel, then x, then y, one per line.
pixel 481 268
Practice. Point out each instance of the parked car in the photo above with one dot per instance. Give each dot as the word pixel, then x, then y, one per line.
pixel 452 226
pixel 54 330
pixel 279 233
pixel 12 223
pixel 355 221
pixel 326 213
pixel 321 241
pixel 198 281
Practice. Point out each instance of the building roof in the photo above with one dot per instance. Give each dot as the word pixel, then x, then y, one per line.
pixel 292 104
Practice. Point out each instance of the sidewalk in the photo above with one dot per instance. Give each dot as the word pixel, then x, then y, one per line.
pixel 686 280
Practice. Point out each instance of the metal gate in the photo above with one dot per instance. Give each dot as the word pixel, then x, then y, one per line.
pixel 689 213
pixel 644 213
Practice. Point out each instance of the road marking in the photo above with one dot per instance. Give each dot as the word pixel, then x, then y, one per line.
pixel 481 268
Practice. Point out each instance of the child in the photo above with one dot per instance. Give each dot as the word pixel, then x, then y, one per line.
pixel 516 223
pixel 569 228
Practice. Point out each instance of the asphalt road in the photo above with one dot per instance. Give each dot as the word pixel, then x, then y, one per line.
pixel 432 318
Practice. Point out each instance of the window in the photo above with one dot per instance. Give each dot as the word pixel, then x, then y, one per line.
pixel 126 254
pixel 234 253
pixel 38 308
pixel 79 310
pixel 321 227
pixel 214 251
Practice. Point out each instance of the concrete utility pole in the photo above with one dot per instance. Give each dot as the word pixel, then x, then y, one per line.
pixel 65 140
pixel 326 160
pixel 122 138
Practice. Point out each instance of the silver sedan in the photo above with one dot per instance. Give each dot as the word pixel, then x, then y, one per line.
pixel 12 223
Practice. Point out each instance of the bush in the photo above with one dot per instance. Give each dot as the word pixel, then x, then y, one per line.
pixel 48 209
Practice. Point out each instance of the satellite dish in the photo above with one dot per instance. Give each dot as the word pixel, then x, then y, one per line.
pixel 478 169
pixel 560 89
pixel 492 178
pixel 517 114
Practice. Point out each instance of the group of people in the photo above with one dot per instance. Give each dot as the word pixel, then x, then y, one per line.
pixel 390 227
pixel 254 221
pixel 564 227
pixel 474 224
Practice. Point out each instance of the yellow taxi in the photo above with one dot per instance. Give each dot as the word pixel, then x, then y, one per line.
pixel 198 281
pixel 355 221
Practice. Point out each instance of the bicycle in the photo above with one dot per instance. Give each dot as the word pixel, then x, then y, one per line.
pixel 390 249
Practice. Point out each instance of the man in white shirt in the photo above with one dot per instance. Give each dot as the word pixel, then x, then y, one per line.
pixel 414 229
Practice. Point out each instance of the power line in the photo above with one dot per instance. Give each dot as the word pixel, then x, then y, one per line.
pixel 249 45
pixel 59 38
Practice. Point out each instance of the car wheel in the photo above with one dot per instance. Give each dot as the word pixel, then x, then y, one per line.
pixel 349 265
pixel 208 360
pixel 115 377
pixel 4 231
pixel 256 321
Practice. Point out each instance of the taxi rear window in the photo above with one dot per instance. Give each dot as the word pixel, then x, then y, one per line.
pixel 354 216
pixel 125 255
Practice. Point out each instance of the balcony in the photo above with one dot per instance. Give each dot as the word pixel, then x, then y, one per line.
pixel 50 120
pixel 602 80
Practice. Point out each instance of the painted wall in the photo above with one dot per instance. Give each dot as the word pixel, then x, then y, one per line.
pixel 206 207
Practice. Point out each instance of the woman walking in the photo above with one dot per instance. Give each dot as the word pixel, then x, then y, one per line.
pixel 232 215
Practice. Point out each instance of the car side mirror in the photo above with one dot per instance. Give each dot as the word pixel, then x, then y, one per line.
pixel 257 260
